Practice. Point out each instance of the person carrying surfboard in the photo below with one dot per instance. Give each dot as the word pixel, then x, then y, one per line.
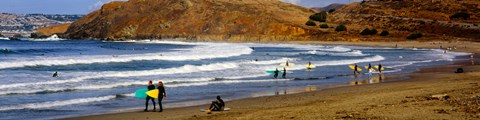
pixel 284 73
pixel 161 94
pixel 355 69
pixel 309 64
pixel 217 105
pixel 380 68
pixel 369 66
pixel 276 73
pixel 150 87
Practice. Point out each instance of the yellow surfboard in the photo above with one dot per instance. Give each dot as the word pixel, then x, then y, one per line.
pixel 153 93
pixel 383 68
pixel 310 66
pixel 353 68
pixel 366 68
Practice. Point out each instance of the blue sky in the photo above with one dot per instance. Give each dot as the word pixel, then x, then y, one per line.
pixel 86 6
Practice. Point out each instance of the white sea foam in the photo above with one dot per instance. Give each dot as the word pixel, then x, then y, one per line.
pixel 51 104
pixel 200 52
pixel 167 71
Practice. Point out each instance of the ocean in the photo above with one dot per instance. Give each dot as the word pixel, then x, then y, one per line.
pixel 98 77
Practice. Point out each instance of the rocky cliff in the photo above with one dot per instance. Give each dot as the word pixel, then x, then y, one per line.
pixel 196 19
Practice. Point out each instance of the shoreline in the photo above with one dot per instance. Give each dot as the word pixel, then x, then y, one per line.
pixel 244 103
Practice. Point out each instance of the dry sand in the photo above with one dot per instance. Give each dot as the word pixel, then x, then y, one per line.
pixel 402 96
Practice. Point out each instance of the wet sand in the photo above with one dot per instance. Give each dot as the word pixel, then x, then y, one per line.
pixel 401 96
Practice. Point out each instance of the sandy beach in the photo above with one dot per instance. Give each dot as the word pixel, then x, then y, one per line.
pixel 430 93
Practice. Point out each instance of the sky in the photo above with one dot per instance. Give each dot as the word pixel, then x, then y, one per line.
pixel 86 6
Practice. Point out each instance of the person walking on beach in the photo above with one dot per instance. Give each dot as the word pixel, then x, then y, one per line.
pixel 150 87
pixel 355 69
pixel 161 95
pixel 217 105
pixel 284 73
pixel 309 65
pixel 276 73
pixel 380 68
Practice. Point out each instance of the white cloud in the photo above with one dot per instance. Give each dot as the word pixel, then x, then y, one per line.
pixel 99 4
pixel 292 1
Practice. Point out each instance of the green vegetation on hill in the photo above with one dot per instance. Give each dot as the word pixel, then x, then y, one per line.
pixel 321 16
pixel 384 33
pixel 310 23
pixel 341 27
pixel 414 36
pixel 367 31
pixel 324 26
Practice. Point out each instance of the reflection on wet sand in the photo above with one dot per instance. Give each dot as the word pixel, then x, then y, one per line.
pixel 370 80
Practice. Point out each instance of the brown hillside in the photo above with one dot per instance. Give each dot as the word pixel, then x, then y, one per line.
pixel 196 19
pixel 54 29
pixel 430 17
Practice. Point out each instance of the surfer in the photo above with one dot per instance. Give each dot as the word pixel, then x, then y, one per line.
pixel 284 73
pixel 286 64
pixel 161 94
pixel 55 74
pixel 309 65
pixel 150 87
pixel 276 73
pixel 355 69
pixel 369 66
pixel 217 105
pixel 380 68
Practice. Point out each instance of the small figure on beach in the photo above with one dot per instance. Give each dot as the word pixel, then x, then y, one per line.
pixel 150 87
pixel 276 73
pixel 309 64
pixel 355 69
pixel 55 74
pixel 161 94
pixel 286 64
pixel 284 75
pixel 380 68
pixel 369 66
pixel 217 105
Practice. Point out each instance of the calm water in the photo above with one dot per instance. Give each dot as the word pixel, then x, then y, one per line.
pixel 98 77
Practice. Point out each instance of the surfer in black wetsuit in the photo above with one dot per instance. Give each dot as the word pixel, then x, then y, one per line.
pixel 217 105
pixel 284 73
pixel 161 94
pixel 286 64
pixel 150 87
pixel 355 69
pixel 380 68
pixel 369 66
pixel 276 73
pixel 55 74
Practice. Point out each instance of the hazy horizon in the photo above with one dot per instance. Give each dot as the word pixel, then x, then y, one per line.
pixel 87 6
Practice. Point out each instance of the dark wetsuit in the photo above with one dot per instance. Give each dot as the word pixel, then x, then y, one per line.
pixel 217 105
pixel 150 87
pixel 161 94
pixel 275 73
pixel 284 73
pixel 380 68
pixel 369 66
pixel 355 69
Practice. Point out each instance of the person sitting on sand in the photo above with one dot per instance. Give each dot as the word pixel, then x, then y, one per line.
pixel 284 75
pixel 55 74
pixel 217 105
pixel 150 87
pixel 161 94
pixel 276 73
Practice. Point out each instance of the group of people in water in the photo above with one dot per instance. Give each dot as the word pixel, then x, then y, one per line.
pixel 217 105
